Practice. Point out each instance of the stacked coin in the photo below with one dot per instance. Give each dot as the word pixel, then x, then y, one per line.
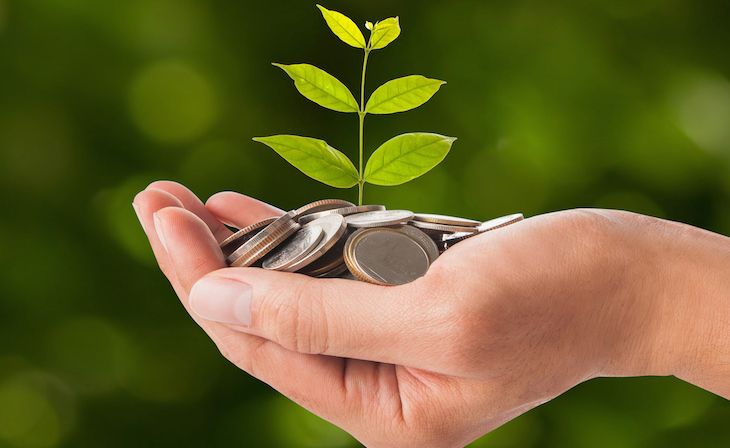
pixel 335 238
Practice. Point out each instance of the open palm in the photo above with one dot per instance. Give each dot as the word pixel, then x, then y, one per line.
pixel 437 362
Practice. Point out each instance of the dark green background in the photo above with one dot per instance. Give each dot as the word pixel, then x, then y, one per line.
pixel 557 104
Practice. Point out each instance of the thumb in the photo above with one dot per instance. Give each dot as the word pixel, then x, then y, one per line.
pixel 324 316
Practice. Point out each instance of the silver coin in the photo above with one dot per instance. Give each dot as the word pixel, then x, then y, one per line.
pixel 294 249
pixel 336 272
pixel 389 255
pixel 445 228
pixel 445 220
pixel 379 218
pixel 264 242
pixel 328 262
pixel 242 235
pixel 344 211
pixel 319 206
pixel 334 228
pixel 492 224
pixel 502 221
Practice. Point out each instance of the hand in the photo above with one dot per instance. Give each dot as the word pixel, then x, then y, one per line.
pixel 501 323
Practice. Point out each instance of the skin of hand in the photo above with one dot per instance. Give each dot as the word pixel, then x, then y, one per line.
pixel 501 323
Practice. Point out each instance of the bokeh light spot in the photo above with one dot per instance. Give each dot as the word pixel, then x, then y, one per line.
pixel 91 354
pixel 702 107
pixel 114 206
pixel 171 101
pixel 27 417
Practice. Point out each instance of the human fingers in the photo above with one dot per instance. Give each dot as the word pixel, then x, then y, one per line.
pixel 238 210
pixel 191 202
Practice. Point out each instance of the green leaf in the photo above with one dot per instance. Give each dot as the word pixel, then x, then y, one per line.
pixel 402 94
pixel 315 158
pixel 320 87
pixel 385 32
pixel 343 27
pixel 406 157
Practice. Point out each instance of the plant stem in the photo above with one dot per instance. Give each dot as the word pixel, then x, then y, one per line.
pixel 361 115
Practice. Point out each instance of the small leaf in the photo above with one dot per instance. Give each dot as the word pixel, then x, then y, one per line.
pixel 320 87
pixel 406 157
pixel 385 32
pixel 402 94
pixel 315 158
pixel 343 27
pixel 369 25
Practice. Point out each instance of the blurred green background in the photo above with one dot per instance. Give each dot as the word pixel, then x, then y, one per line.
pixel 560 104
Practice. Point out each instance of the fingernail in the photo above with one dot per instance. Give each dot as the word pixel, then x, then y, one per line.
pixel 222 300
pixel 160 231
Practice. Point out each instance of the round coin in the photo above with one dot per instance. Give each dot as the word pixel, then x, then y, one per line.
pixel 389 256
pixel 492 224
pixel 294 249
pixel 445 220
pixel 328 262
pixel 337 272
pixel 234 241
pixel 444 228
pixel 334 228
pixel 320 206
pixel 263 242
pixel 502 221
pixel 344 211
pixel 379 218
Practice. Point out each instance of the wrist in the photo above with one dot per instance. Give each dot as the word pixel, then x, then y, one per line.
pixel 699 287
pixel 672 316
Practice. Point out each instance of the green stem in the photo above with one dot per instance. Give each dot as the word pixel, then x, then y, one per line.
pixel 361 115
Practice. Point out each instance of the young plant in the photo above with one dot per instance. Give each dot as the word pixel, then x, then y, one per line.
pixel 396 161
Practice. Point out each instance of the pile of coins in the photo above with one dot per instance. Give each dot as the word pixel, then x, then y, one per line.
pixel 335 238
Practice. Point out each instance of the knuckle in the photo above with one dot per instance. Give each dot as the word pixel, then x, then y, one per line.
pixel 298 318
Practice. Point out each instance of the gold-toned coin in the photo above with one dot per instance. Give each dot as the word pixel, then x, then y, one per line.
pixel 263 242
pixel 443 228
pixel 344 211
pixel 320 206
pixel 445 220
pixel 389 255
pixel 380 218
pixel 235 241
pixel 294 249
pixel 334 228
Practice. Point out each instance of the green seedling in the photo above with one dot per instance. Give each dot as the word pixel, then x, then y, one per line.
pixel 396 161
